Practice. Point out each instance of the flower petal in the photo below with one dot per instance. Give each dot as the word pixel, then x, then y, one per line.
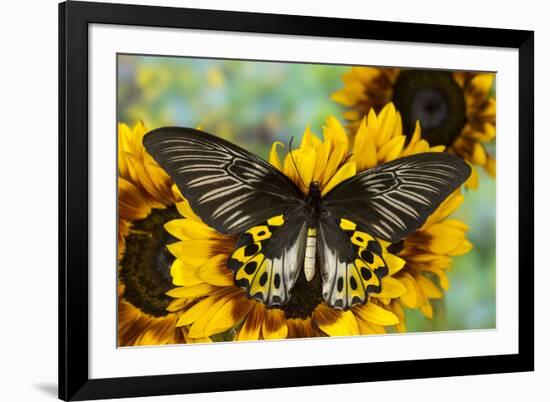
pixel 394 263
pixel 274 156
pixel 410 299
pixel 300 328
pixel 274 325
pixel 250 331
pixel 196 311
pixel 428 287
pixel 368 328
pixel 375 314
pixel 185 210
pixel 345 172
pixel 427 310
pixel 391 288
pixel 364 149
pixel 202 289
pixel 335 322
pixel 189 229
pixel 233 311
pixel 215 272
pixel 184 274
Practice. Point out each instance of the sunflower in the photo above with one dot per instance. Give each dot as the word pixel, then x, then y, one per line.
pixel 455 109
pixel 145 203
pixel 213 306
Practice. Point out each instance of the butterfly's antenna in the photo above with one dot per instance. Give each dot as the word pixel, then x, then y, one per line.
pixel 294 162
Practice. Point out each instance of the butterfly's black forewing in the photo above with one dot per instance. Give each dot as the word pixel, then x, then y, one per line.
pixel 394 199
pixel 229 188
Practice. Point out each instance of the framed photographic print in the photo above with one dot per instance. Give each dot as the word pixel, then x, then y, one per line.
pixel 258 200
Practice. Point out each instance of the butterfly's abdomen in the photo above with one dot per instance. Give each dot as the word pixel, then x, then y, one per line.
pixel 309 260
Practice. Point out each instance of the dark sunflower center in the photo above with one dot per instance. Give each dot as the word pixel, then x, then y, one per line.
pixel 145 267
pixel 433 98
pixel 305 297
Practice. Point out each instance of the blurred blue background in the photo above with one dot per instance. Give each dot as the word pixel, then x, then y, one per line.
pixel 256 103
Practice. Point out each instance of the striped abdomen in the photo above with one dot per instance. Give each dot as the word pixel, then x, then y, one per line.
pixel 309 260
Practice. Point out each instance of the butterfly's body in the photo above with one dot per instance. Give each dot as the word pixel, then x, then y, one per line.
pixel 280 230
pixel 311 211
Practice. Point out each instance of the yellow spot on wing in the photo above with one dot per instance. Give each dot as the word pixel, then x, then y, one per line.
pixel 276 220
pixel 259 233
pixel 347 225
pixel 242 274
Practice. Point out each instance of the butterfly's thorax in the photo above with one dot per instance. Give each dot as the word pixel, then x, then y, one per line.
pixel 313 204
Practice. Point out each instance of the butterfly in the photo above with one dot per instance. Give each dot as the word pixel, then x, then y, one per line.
pixel 280 229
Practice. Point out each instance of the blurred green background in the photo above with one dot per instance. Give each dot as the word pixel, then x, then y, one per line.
pixel 256 103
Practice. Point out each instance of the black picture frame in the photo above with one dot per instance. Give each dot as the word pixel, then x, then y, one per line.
pixel 74 19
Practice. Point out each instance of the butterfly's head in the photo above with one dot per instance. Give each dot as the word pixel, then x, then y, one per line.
pixel 314 187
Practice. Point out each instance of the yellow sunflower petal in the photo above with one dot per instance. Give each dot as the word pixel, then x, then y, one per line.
pixel 300 328
pixel 394 263
pixel 198 328
pixel 202 289
pixel 368 328
pixel 184 274
pixel 387 122
pixel 366 74
pixel 215 272
pixel 336 131
pixel 364 149
pixel 443 280
pixel 177 304
pixel 274 325
pixel 233 311
pixel 196 311
pixel 479 156
pixel 428 287
pixel 188 229
pixel 478 88
pixel 392 149
pixel 395 306
pixel 444 238
pixel 336 158
pixel 473 180
pixel 305 163
pixel 335 322
pixel 391 288
pixel 448 206
pixel 186 211
pixel 345 172
pixel 132 205
pixel 343 97
pixel 309 140
pixel 274 156
pixel 464 247
pixel 411 297
pixel 375 314
pixel 250 331
pixel 194 252
pixel 490 166
pixel 427 310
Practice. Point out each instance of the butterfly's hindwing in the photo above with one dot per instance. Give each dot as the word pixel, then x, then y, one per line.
pixel 394 199
pixel 224 184
pixel 352 263
pixel 268 258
